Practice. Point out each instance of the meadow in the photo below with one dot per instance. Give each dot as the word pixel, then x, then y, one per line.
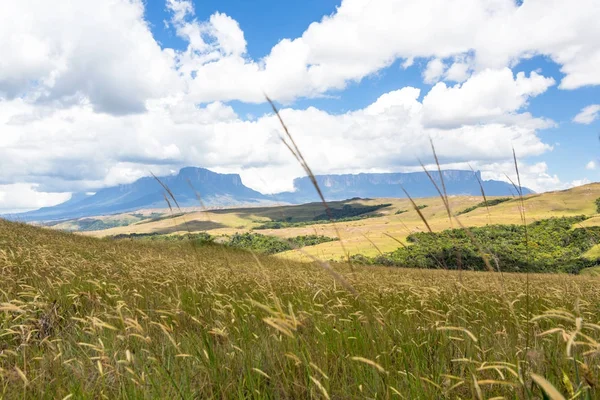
pixel 82 317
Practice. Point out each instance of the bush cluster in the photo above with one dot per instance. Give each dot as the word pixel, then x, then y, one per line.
pixel 272 245
pixel 550 245
pixel 344 214
pixel 200 237
pixel 347 211
pixel 248 241
pixel 488 203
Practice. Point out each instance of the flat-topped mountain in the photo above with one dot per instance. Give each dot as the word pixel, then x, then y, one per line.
pixel 417 184
pixel 213 188
pixel 228 190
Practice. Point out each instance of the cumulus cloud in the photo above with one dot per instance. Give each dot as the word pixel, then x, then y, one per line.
pixel 458 72
pixel 100 52
pixel 78 149
pixel 434 71
pixel 21 197
pixel 103 52
pixel 344 47
pixel 496 33
pixel 88 98
pixel 221 33
pixel 490 95
pixel 580 182
pixel 534 176
pixel 591 165
pixel 588 114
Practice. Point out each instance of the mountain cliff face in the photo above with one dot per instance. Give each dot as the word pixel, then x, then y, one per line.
pixel 417 184
pixel 215 190
pixel 228 190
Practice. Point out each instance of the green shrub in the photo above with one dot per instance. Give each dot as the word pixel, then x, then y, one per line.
pixel 348 211
pixel 259 243
pixel 199 238
pixel 249 241
pixel 272 245
pixel 283 225
pixel 361 213
pixel 488 203
pixel 552 246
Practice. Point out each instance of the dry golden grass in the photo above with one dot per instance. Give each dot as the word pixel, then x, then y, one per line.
pixel 93 318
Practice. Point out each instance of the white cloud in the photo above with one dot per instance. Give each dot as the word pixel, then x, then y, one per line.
pixel 103 52
pixel 21 197
pixel 85 51
pixel 408 62
pixel 181 9
pixel 490 95
pixel 533 176
pixel 78 149
pixel 88 98
pixel 588 114
pixel 492 34
pixel 344 48
pixel 228 34
pixel 434 71
pixel 221 33
pixel 458 72
pixel 591 165
pixel 580 182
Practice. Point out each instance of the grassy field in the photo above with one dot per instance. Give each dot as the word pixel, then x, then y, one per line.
pixel 85 224
pixel 594 271
pixel 91 318
pixel 373 235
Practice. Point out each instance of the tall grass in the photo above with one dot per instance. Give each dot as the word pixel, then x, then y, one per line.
pixel 96 318
pixel 89 318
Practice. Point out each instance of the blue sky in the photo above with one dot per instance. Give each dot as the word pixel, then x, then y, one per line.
pixel 265 22
pixel 99 93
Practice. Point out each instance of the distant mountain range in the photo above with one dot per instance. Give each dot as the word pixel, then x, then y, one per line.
pixel 217 189
pixel 417 184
